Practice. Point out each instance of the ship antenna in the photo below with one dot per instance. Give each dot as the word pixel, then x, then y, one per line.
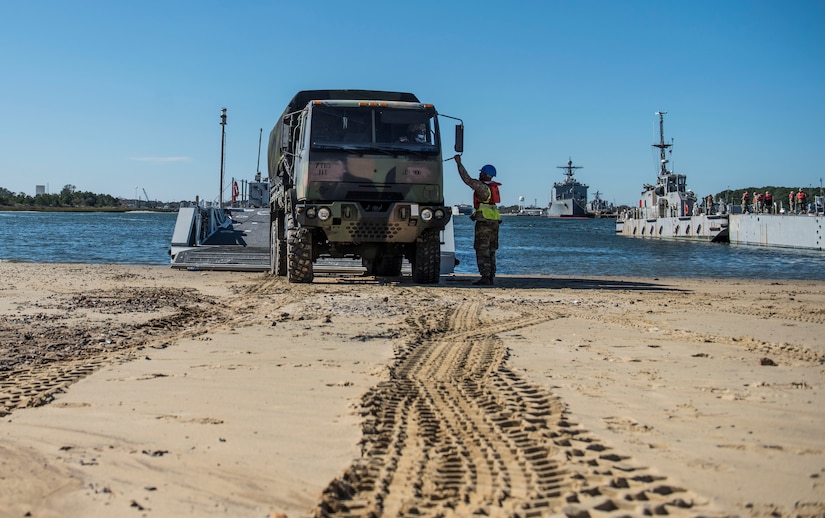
pixel 662 145
pixel 569 168
pixel 260 136
pixel 223 154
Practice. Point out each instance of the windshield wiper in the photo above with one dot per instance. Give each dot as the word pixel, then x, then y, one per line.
pixel 397 150
pixel 336 147
pixel 394 151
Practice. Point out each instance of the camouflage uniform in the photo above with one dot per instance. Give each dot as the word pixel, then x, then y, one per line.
pixel 486 230
pixel 486 244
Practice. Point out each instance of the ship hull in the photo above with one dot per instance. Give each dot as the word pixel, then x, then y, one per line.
pixel 777 230
pixel 701 227
pixel 771 230
pixel 566 209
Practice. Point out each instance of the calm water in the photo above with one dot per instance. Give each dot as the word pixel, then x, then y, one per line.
pixel 529 245
pixel 589 247
pixel 86 237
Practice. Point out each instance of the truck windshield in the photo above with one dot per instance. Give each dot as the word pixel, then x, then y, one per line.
pixel 374 129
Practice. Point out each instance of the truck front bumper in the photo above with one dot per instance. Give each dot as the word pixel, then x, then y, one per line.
pixel 354 222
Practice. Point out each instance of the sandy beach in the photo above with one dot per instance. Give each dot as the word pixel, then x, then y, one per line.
pixel 147 391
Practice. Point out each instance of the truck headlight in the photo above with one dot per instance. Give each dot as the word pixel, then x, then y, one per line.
pixel 439 214
pixel 427 214
pixel 311 212
pixel 324 213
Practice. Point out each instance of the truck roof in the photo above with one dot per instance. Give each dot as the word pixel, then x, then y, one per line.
pixel 303 97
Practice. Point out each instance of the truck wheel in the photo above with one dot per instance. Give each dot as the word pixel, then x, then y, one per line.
pixel 388 266
pixel 277 245
pixel 299 253
pixel 426 265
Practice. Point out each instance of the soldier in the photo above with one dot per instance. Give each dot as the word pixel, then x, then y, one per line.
pixel 487 218
pixel 801 198
pixel 416 134
pixel 746 202
pixel 769 202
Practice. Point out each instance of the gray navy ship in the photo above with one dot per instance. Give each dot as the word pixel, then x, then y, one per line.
pixel 568 199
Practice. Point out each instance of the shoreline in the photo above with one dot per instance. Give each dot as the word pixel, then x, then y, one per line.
pixel 8 208
pixel 200 393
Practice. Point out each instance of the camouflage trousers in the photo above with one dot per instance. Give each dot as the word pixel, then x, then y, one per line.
pixel 486 244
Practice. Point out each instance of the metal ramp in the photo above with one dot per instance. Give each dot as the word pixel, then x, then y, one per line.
pixel 233 258
pixel 233 239
pixel 228 257
pixel 238 240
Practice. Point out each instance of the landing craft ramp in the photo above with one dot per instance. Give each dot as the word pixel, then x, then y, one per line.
pixel 240 242
pixel 223 258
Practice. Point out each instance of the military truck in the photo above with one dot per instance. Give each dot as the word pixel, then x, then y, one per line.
pixel 357 174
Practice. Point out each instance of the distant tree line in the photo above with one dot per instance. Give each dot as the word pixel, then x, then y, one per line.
pixel 69 197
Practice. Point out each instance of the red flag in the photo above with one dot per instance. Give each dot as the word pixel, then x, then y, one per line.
pixel 234 191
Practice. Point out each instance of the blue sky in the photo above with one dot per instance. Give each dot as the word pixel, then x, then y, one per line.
pixel 115 96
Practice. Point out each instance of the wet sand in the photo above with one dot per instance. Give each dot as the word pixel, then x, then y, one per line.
pixel 172 393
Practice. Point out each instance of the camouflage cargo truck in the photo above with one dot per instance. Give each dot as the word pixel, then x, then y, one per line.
pixel 357 174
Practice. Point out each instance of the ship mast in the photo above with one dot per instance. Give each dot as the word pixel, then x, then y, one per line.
pixel 223 154
pixel 569 169
pixel 662 145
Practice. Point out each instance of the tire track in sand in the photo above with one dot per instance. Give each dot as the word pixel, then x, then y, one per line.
pixel 455 432
pixel 42 362
pixel 24 388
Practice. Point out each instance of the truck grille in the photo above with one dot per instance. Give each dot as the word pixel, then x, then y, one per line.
pixel 372 231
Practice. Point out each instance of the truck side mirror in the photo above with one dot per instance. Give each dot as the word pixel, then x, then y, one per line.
pixel 459 138
pixel 284 132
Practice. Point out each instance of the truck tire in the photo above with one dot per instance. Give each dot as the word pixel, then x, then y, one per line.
pixel 388 266
pixel 299 253
pixel 426 264
pixel 277 245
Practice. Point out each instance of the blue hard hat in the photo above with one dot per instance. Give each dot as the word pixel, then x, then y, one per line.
pixel 489 170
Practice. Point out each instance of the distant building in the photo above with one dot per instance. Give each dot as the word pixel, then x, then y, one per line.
pixel 39 189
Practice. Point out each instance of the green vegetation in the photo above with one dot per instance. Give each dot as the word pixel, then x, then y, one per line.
pixel 68 198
